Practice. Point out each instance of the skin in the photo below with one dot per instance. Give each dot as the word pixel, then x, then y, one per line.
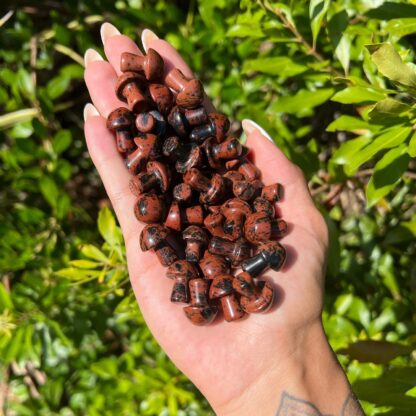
pixel 257 363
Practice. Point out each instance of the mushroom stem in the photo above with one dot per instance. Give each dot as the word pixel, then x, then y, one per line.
pixel 193 251
pixel 136 101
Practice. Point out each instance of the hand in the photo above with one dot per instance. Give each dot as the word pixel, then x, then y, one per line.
pixel 238 364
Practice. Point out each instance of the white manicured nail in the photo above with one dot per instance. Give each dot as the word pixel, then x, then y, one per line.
pixel 91 55
pixel 90 111
pixel 147 37
pixel 249 126
pixel 107 31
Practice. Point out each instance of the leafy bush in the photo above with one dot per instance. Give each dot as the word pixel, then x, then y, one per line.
pixel 333 82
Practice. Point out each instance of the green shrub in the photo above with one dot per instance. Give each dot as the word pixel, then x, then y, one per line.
pixel 334 84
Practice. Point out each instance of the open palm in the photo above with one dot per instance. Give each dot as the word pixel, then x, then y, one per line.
pixel 225 359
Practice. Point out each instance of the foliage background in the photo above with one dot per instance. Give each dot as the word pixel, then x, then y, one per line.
pixel 72 340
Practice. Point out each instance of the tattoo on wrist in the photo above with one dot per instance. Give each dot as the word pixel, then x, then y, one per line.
pixel 293 406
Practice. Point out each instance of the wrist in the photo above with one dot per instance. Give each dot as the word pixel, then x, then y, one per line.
pixel 305 367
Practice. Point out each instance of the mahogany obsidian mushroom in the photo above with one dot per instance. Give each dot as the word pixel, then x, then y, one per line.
pixel 217 126
pixel 178 216
pixel 247 190
pixel 130 88
pixel 253 298
pixel 182 193
pixel 151 122
pixel 182 271
pixel 162 97
pixel 155 237
pixel 212 190
pixel 190 91
pixel 272 193
pixel 121 121
pixel 222 288
pixel 270 255
pixel 157 175
pixel 261 227
pixel 150 208
pixel 236 251
pixel 196 239
pixel 213 265
pixel 263 205
pixel 245 167
pixel 147 149
pixel 186 155
pixel 215 152
pixel 214 223
pixel 151 64
pixel 235 212
pixel 199 312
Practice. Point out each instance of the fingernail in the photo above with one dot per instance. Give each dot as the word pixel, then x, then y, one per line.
pixel 147 37
pixel 249 126
pixel 90 111
pixel 91 55
pixel 107 31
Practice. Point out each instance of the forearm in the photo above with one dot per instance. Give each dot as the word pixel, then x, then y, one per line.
pixel 308 381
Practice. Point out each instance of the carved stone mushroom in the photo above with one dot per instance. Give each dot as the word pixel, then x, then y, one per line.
pixel 121 122
pixel 196 239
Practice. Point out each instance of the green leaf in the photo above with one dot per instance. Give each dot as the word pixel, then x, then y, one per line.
pixel 108 228
pixel 412 146
pixel 357 95
pixel 62 141
pixel 84 264
pixel 282 66
pixel 345 153
pixel 49 190
pixel 378 352
pixel 57 86
pixel 92 252
pixel 387 174
pixel 340 40
pixel 390 64
pixel 388 107
pixel 348 123
pixel 400 27
pixel 317 11
pixel 388 139
pixel 302 102
pixel 5 299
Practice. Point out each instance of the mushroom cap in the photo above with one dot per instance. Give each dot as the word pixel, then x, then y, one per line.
pixel 193 159
pixel 150 208
pixel 258 227
pixel 200 315
pixel 233 175
pixel 261 302
pixel 235 206
pixel 155 65
pixel 192 95
pixel 145 122
pixel 161 171
pixel 126 78
pixel 162 97
pixel 195 233
pixel 273 192
pixel 222 285
pixel 152 235
pixel 274 253
pixel 120 118
pixel 221 125
pixel 173 219
pixel 213 265
pixel 182 193
pixel 261 204
pixel 183 269
pixel 178 121
pixel 244 285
